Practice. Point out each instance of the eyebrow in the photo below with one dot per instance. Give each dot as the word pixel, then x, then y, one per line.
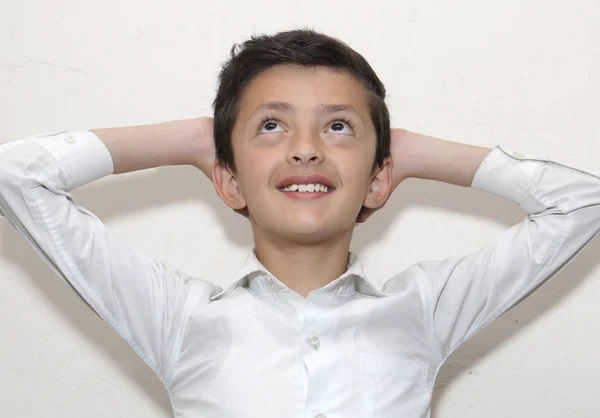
pixel 320 108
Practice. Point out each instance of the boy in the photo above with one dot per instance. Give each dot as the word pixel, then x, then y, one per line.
pixel 304 150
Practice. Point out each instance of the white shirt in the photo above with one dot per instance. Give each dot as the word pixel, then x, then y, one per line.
pixel 258 349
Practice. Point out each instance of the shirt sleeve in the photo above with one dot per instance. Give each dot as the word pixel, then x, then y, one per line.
pixel 139 297
pixel 562 206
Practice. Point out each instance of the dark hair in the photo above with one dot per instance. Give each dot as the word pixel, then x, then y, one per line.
pixel 304 47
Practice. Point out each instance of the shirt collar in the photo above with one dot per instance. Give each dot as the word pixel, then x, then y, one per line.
pixel 255 275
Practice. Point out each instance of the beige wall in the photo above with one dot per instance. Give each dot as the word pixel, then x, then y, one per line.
pixel 523 74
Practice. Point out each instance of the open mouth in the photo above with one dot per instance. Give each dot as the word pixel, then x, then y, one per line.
pixel 306 191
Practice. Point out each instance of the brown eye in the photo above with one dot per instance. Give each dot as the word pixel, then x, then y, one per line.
pixel 268 125
pixel 338 127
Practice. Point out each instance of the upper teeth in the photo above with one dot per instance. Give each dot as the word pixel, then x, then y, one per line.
pixel 316 187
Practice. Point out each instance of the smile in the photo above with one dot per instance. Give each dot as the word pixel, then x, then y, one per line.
pixel 306 191
pixel 309 188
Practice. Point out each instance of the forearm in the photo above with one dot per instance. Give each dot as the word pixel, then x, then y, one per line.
pixel 147 146
pixel 432 158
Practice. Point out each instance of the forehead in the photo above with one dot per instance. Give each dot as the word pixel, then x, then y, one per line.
pixel 304 87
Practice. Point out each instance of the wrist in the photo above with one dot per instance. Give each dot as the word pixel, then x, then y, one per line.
pixel 201 145
pixel 405 150
pixel 430 158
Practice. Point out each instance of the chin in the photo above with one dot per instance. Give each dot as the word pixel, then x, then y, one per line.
pixel 311 233
pixel 306 227
pixel 314 239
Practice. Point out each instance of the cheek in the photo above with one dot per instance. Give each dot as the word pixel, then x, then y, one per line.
pixel 355 170
pixel 255 172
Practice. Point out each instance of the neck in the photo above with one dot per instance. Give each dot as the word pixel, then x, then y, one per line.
pixel 304 268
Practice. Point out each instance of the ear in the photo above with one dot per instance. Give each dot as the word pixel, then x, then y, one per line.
pixel 227 187
pixel 381 186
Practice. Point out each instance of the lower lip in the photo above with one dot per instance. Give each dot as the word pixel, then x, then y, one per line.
pixel 306 195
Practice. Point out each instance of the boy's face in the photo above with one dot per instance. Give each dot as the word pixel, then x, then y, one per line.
pixel 272 143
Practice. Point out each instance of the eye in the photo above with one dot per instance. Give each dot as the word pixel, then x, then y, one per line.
pixel 269 124
pixel 338 126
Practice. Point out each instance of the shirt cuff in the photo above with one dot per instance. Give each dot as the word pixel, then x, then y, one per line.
pixel 81 155
pixel 507 174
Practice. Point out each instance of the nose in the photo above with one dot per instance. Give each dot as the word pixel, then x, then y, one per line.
pixel 305 147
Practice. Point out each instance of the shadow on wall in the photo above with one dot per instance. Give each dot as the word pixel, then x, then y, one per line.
pixel 136 193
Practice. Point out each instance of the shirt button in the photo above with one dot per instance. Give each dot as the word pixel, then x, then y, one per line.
pixel 315 342
pixel 69 138
pixel 320 416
